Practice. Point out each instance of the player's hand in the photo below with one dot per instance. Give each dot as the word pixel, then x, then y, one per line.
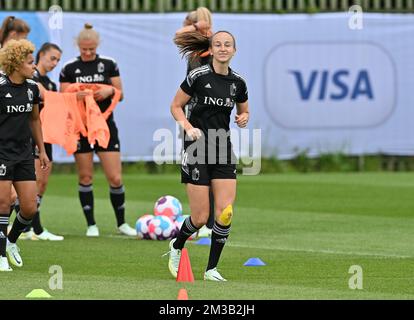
pixel 242 119
pixel 103 94
pixel 44 160
pixel 81 95
pixel 194 133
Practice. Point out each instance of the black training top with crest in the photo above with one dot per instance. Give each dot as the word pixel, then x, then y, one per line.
pixel 214 97
pixel 100 70
pixel 45 82
pixel 16 105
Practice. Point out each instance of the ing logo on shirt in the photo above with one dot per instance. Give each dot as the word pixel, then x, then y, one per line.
pixel 3 170
pixel 90 79
pixel 20 108
pixel 220 102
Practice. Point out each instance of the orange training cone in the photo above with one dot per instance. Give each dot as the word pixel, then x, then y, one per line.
pixel 182 294
pixel 185 274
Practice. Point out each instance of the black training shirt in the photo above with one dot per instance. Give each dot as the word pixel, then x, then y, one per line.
pixel 16 105
pixel 214 97
pixel 45 82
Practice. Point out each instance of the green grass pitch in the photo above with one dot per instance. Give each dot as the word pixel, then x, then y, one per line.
pixel 308 228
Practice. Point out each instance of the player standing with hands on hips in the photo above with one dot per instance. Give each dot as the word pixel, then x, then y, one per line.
pixel 19 122
pixel 208 160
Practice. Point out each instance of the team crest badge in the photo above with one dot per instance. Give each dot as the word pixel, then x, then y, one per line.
pixel 195 174
pixel 233 90
pixel 30 94
pixel 101 67
pixel 3 170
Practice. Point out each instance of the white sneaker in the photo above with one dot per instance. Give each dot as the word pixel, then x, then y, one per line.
pixel 213 275
pixel 127 230
pixel 26 235
pixel 174 259
pixel 4 265
pixel 204 232
pixel 92 231
pixel 12 251
pixel 46 235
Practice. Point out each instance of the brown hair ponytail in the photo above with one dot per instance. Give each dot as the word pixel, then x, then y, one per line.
pixel 10 24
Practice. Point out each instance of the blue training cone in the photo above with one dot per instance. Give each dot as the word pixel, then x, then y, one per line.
pixel 254 262
pixel 204 241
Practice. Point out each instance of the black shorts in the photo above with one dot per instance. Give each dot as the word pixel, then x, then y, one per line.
pixel 202 174
pixel 48 148
pixel 113 145
pixel 22 170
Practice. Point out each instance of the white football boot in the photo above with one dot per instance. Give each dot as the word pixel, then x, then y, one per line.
pixel 12 251
pixel 127 230
pixel 4 265
pixel 92 231
pixel 213 275
pixel 46 235
pixel 174 259
pixel 27 235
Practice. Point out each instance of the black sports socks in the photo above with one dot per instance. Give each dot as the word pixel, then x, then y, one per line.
pixel 117 196
pixel 86 200
pixel 19 224
pixel 4 222
pixel 187 229
pixel 218 240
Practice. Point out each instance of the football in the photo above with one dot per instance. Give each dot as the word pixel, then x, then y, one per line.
pixel 162 228
pixel 168 206
pixel 142 226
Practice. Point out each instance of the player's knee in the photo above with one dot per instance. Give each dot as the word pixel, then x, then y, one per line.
pixel 4 207
pixel 41 190
pixel 85 179
pixel 199 220
pixel 225 216
pixel 41 187
pixel 28 210
pixel 115 181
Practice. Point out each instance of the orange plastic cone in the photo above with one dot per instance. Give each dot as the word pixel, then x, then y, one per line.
pixel 185 274
pixel 182 294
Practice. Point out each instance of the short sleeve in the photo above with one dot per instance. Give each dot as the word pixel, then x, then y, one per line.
pixel 242 94
pixel 54 87
pixel 114 70
pixel 187 86
pixel 36 94
pixel 64 75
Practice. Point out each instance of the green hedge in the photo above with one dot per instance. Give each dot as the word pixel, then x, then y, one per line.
pixel 275 6
pixel 333 162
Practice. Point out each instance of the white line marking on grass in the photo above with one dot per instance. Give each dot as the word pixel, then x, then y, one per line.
pixel 371 254
pixel 118 236
pixel 337 252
